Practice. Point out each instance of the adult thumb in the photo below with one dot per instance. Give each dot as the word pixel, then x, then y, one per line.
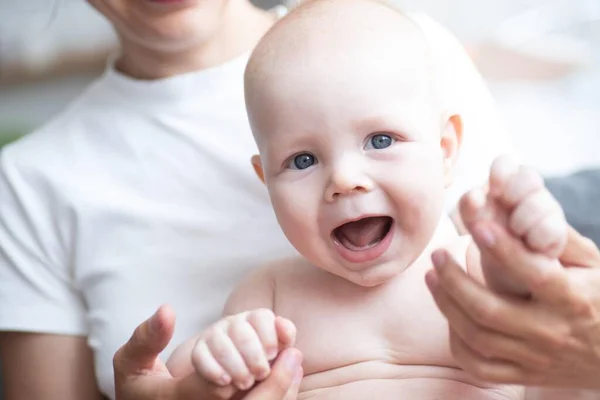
pixel 148 340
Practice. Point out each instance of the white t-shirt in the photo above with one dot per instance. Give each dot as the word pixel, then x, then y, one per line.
pixel 141 193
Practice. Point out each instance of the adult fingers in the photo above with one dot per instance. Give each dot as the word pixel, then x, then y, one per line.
pixel 292 393
pixel 486 342
pixel 544 276
pixel 484 307
pixel 194 387
pixel 148 340
pixel 283 379
pixel 486 369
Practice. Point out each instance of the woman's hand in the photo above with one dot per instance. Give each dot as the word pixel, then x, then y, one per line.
pixel 551 339
pixel 140 375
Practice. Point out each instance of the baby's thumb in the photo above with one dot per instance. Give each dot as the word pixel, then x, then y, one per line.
pixel 580 251
pixel 286 332
pixel 148 340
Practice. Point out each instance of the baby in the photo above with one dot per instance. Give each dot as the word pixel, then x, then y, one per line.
pixel 356 162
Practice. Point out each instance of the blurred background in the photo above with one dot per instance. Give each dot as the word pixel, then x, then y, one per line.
pixel 539 57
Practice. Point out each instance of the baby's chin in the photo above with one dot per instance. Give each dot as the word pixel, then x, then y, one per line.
pixel 373 275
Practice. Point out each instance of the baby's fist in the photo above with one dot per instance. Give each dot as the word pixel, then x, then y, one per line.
pixel 532 212
pixel 238 349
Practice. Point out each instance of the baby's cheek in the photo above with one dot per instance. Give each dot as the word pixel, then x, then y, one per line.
pixel 422 210
pixel 419 204
pixel 296 218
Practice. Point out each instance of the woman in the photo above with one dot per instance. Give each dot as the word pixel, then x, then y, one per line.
pixel 141 193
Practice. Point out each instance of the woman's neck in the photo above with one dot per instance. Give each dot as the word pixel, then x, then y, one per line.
pixel 242 28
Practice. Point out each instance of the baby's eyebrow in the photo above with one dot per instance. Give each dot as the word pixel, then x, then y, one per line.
pixel 368 123
pixel 382 121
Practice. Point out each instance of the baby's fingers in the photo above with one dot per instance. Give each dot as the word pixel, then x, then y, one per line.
pixel 532 210
pixel 502 170
pixel 549 235
pixel 263 322
pixel 227 355
pixel 286 332
pixel 250 347
pixel 473 207
pixel 207 366
pixel 520 186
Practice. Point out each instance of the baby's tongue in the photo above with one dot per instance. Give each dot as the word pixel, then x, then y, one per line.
pixel 364 232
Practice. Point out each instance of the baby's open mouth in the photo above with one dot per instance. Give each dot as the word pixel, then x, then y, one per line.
pixel 363 233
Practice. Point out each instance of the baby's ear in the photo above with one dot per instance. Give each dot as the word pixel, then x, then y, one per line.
pixel 450 143
pixel 257 165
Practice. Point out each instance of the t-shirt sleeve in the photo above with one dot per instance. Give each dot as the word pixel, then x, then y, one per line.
pixel 462 90
pixel 37 293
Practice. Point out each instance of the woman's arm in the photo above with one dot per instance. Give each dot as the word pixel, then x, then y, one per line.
pixel 49 367
pixel 38 290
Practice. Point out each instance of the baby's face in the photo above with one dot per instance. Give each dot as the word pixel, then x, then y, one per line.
pixel 352 154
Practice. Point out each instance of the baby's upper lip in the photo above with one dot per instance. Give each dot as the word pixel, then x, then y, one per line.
pixel 362 216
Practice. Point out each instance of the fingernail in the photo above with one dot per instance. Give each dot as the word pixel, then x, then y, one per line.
pixel 224 380
pixel 431 280
pixel 291 361
pixel 262 375
pixel 271 354
pixel 247 384
pixel 439 258
pixel 484 236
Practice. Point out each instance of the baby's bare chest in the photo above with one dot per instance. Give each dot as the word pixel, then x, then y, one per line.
pixel 340 324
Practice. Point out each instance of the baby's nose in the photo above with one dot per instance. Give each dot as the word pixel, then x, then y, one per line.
pixel 348 180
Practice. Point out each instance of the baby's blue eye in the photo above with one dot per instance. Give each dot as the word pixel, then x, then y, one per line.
pixel 380 141
pixel 302 161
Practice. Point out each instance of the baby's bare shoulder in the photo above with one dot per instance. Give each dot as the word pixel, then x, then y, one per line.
pixel 284 264
pixel 259 288
pixel 290 267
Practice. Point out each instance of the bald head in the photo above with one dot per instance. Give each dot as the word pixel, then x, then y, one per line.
pixel 333 28
pixel 347 43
